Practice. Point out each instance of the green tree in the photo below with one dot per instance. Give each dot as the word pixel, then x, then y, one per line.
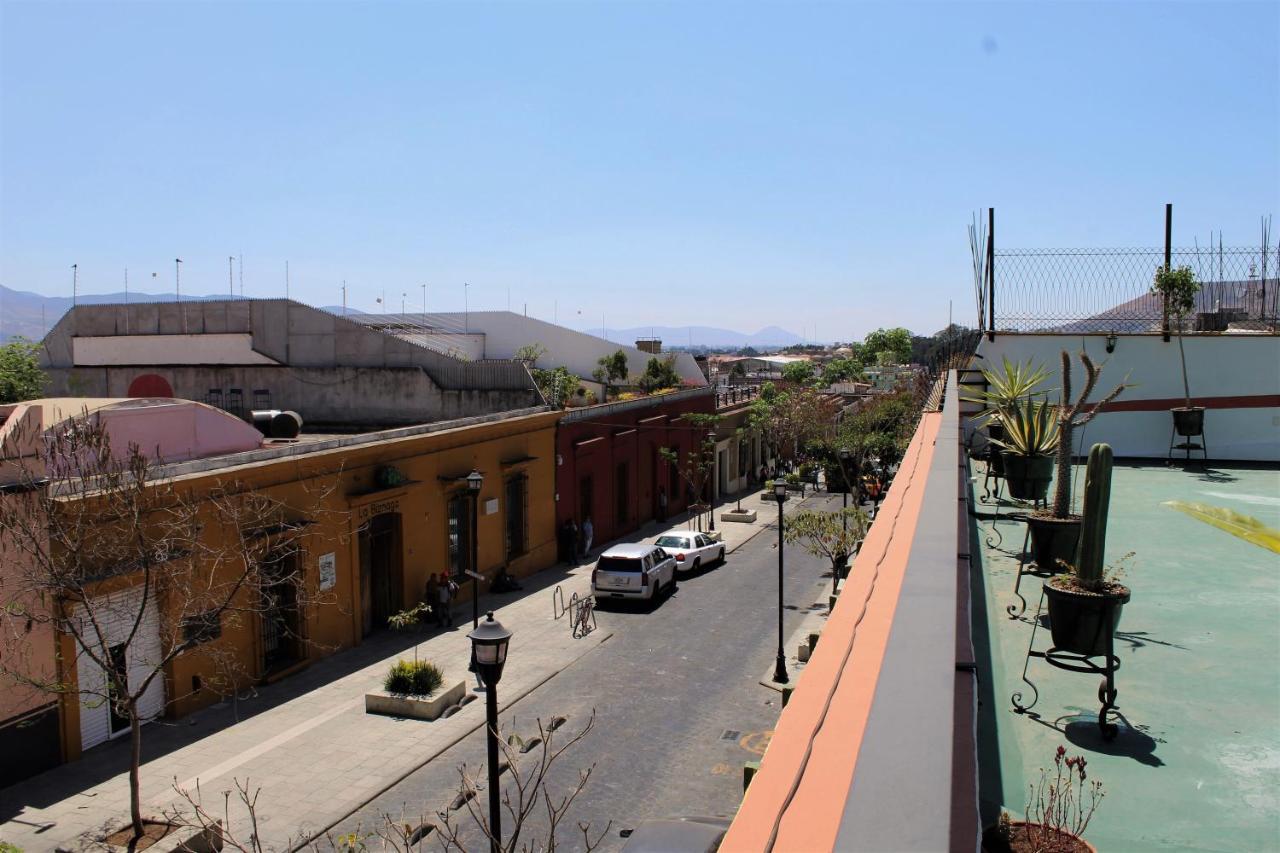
pixel 832 536
pixel 895 343
pixel 799 372
pixel 20 375
pixel 700 462
pixel 658 374
pixel 611 369
pixel 846 369
pixel 556 384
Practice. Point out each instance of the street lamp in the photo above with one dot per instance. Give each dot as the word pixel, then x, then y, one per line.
pixel 780 668
pixel 845 454
pixel 488 655
pixel 474 481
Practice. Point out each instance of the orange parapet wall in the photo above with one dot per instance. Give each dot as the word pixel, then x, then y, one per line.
pixel 797 799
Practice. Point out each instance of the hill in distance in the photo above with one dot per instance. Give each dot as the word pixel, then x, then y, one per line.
pixel 705 336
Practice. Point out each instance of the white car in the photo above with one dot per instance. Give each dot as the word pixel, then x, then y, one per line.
pixel 633 571
pixel 691 549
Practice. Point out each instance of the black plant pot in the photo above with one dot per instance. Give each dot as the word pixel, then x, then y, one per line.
pixel 1083 622
pixel 1188 421
pixel 1027 476
pixel 994 457
pixel 1053 540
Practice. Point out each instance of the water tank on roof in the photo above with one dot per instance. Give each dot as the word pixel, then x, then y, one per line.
pixel 274 423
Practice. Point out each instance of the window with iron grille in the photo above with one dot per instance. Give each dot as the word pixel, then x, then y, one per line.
pixel 202 627
pixel 459 520
pixel 517 515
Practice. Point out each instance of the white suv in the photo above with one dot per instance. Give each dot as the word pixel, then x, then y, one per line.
pixel 633 571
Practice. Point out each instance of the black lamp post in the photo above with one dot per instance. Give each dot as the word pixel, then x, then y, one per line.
pixel 488 655
pixel 474 481
pixel 845 454
pixel 780 668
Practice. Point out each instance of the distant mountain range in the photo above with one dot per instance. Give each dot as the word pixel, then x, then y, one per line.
pixel 30 315
pixel 704 336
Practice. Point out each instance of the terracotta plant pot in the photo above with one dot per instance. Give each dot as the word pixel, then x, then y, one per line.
pixel 1188 422
pixel 1082 622
pixel 1027 477
pixel 1018 841
pixel 1053 540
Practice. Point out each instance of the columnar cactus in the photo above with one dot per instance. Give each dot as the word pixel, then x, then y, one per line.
pixel 1071 414
pixel 1093 529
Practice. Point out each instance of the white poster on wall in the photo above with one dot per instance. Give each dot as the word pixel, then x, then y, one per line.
pixel 328 571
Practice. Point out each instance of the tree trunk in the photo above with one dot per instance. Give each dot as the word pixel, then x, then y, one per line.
pixel 1186 387
pixel 1062 488
pixel 135 761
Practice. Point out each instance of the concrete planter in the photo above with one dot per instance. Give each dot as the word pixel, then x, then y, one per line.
pixel 189 840
pixel 416 707
pixel 746 516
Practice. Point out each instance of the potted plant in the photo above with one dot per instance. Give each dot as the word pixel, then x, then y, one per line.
pixel 1059 809
pixel 1085 602
pixel 1179 288
pixel 1006 388
pixel 1056 532
pixel 1030 438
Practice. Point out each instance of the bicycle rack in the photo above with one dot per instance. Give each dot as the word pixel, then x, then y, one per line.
pixel 557 602
pixel 584 616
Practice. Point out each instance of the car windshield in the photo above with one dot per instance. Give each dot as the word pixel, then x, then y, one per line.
pixel 672 542
pixel 618 564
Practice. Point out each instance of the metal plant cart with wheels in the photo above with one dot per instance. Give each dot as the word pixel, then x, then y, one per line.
pixel 1074 662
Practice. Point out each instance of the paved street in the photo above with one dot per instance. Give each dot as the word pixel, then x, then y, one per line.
pixel 677 698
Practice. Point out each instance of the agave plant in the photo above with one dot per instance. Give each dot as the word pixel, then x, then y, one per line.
pixel 1030 428
pixel 1007 387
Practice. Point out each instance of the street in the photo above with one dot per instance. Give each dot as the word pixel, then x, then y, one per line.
pixel 677 701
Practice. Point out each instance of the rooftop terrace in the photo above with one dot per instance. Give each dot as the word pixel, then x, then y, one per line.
pixel 1196 763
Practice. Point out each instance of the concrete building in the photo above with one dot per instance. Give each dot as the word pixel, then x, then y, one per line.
pixel 241 355
pixel 501 334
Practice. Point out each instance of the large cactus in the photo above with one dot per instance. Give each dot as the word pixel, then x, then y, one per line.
pixel 1071 414
pixel 1093 530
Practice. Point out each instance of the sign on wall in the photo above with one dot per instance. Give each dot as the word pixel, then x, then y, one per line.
pixel 328 571
pixel 491 506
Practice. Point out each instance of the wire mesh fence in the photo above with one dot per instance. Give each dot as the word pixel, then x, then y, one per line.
pixel 1109 290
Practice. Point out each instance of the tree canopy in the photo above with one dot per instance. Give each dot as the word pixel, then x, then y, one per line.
pixel 658 374
pixel 20 375
pixel 800 372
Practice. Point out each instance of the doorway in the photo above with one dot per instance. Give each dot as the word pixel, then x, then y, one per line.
pixel 281 619
pixel 381 571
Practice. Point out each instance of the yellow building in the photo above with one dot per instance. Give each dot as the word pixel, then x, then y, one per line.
pixel 366 518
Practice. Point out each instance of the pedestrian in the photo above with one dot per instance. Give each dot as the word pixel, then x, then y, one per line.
pixel 433 595
pixel 588 532
pixel 448 589
pixel 569 541
pixel 662 503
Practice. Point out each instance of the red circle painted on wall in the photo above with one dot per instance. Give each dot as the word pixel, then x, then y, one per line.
pixel 150 385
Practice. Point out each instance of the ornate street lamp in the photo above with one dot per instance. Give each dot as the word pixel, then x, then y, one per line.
pixel 780 668
pixel 489 654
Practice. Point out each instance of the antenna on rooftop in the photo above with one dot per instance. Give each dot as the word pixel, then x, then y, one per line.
pixel 75 282
pixel 344 297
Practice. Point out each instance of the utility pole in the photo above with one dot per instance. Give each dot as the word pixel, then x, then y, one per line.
pixel 344 297
pixel 424 305
pixel 75 283
pixel 177 290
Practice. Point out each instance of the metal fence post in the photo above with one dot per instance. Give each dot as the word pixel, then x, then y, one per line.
pixel 991 274
pixel 1168 260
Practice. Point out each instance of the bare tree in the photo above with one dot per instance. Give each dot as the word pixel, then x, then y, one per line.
pixel 461 825
pixel 132 569
pixel 699 463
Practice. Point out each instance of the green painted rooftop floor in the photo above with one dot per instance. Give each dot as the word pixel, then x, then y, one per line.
pixel 1196 765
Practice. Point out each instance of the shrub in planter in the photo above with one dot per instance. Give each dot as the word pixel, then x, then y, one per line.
pixel 413 678
pixel 1056 533
pixel 1085 603
pixel 1006 389
pixel 1031 436
pixel 1179 288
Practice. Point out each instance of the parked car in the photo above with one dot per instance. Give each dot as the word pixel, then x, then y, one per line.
pixel 633 571
pixel 691 549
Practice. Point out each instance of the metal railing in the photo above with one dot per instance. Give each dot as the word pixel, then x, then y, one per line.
pixel 1077 291
pixel 735 395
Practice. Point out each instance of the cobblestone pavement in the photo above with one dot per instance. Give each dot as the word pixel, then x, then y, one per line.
pixel 306 741
pixel 677 701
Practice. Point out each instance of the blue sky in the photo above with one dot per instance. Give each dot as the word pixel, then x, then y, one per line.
pixel 807 165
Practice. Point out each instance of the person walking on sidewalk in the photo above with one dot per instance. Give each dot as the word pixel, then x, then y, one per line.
pixel 662 503
pixel 448 589
pixel 569 542
pixel 588 532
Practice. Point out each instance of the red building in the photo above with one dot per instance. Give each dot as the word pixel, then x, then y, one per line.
pixel 608 465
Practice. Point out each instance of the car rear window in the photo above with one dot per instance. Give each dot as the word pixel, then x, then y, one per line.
pixel 618 564
pixel 671 541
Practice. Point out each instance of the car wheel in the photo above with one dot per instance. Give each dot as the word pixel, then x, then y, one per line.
pixel 722 555
pixel 697 563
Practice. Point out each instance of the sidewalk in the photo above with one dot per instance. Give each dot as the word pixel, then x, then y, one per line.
pixel 306 741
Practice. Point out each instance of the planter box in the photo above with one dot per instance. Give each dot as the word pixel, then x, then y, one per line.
pixel 746 516
pixel 382 702
pixel 191 841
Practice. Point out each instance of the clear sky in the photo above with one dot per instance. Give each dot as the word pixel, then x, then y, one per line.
pixel 731 164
